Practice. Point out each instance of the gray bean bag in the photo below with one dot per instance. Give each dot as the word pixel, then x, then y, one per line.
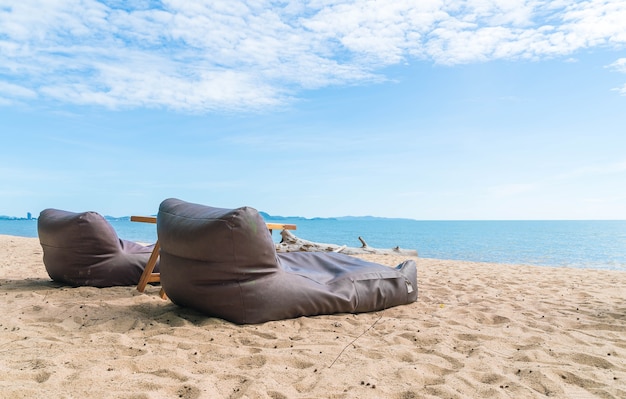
pixel 84 249
pixel 223 263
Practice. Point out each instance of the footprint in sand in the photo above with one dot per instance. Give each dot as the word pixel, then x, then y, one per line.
pixel 42 376
pixel 252 362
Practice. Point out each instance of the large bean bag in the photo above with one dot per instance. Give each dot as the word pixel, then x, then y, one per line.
pixel 223 263
pixel 83 249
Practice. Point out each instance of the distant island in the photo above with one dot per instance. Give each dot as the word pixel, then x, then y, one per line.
pixel 265 215
pixel 110 218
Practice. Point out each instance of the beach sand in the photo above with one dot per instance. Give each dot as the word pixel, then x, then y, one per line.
pixel 477 330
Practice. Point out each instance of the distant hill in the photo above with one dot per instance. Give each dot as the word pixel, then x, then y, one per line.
pixel 366 218
pixel 267 216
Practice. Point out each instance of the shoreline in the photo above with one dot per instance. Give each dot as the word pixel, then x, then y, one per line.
pixel 477 330
pixel 586 245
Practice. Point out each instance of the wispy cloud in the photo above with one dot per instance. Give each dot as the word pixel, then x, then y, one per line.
pixel 11 94
pixel 16 91
pixel 619 66
pixel 210 55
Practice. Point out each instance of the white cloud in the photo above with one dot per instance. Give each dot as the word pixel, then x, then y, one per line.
pixel 209 55
pixel 619 65
pixel 620 90
pixel 9 89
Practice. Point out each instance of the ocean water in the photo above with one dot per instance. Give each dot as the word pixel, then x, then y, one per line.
pixel 579 244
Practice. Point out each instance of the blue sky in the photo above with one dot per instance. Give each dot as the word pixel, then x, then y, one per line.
pixel 436 110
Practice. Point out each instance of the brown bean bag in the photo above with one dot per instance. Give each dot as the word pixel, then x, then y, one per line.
pixel 223 263
pixel 84 249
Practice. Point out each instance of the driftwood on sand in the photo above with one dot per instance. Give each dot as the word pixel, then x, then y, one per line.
pixel 291 243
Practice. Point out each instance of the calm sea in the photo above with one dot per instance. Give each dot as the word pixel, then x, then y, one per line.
pixel 580 244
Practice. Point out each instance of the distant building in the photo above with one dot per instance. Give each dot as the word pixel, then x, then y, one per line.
pixel 29 216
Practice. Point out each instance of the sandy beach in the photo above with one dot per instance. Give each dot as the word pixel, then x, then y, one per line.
pixel 477 330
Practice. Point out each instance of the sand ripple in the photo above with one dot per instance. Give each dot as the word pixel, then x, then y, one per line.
pixel 477 330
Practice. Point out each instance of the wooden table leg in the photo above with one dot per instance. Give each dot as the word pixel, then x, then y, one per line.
pixel 148 276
